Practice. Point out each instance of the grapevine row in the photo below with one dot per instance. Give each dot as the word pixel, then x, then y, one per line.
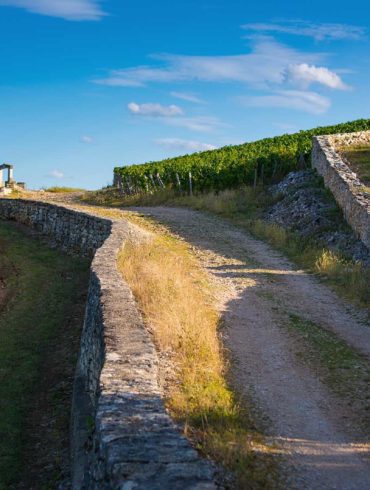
pixel 230 166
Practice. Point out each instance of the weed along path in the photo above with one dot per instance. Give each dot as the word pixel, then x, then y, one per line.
pixel 299 356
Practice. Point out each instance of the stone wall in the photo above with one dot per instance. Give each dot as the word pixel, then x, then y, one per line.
pixel 122 436
pixel 347 189
pixel 73 232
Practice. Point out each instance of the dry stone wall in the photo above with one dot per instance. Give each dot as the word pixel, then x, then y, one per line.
pixel 122 436
pixel 347 189
pixel 73 232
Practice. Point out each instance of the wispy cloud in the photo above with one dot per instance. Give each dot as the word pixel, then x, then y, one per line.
pixel 154 110
pixel 319 32
pixel 173 115
pixel 305 75
pixel 202 124
pixel 75 10
pixel 87 139
pixel 269 65
pixel 306 101
pixel 265 64
pixel 57 174
pixel 187 97
pixel 285 73
pixel 186 145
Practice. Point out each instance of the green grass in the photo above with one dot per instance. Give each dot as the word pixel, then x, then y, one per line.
pixel 345 370
pixel 42 286
pixel 359 160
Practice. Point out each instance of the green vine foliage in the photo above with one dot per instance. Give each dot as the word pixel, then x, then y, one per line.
pixel 232 166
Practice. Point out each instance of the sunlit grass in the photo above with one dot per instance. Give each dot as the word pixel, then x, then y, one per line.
pixel 177 302
pixel 60 190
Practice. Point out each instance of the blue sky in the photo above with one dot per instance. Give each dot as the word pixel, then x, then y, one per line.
pixel 88 84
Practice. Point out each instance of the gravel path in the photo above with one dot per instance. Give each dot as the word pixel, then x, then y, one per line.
pixel 257 291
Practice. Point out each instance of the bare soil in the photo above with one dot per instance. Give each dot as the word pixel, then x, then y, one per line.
pixel 322 435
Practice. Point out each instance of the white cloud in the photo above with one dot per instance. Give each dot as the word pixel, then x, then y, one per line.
pixel 286 72
pixel 154 110
pixel 75 10
pixel 87 139
pixel 290 99
pixel 305 74
pixel 187 145
pixel 137 77
pixel 173 115
pixel 56 174
pixel 265 64
pixel 319 32
pixel 187 97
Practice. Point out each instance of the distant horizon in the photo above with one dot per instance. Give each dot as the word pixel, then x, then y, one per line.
pixel 88 85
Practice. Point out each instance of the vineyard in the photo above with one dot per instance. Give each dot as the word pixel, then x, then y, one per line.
pixel 230 166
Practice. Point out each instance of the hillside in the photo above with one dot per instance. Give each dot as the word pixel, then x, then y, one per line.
pixel 232 166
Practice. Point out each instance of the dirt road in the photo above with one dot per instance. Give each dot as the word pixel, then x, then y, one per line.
pixel 284 329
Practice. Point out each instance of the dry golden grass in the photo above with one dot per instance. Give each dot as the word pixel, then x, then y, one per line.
pixel 276 235
pixel 347 276
pixel 175 297
pixel 177 302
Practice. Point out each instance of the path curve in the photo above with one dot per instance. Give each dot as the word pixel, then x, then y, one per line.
pixel 310 425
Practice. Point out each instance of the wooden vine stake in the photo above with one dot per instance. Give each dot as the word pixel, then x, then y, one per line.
pixel 160 181
pixel 119 182
pixel 262 171
pixel 190 184
pixel 152 181
pixel 128 184
pixel 178 181
pixel 255 178
pixel 146 183
pixel 275 168
pixel 124 185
